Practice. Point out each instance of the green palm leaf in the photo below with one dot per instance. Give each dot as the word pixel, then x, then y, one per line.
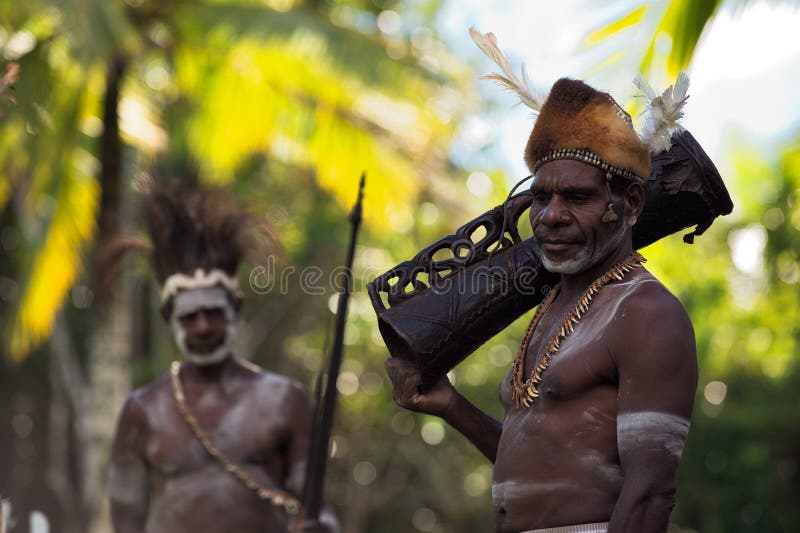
pixel 673 29
pixel 57 262
pixel 295 105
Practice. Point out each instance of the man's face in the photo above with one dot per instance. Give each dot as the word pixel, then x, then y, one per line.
pixel 203 324
pixel 569 200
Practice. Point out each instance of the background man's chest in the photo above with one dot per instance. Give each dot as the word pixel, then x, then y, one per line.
pixel 237 428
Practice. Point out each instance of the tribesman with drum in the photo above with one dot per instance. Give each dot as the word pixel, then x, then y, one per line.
pixel 218 444
pixel 599 399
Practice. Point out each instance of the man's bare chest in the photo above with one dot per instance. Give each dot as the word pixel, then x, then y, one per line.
pixel 235 426
pixel 579 360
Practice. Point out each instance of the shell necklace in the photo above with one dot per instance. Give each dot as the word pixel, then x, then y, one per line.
pixel 526 392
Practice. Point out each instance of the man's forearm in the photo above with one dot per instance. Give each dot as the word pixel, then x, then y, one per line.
pixel 481 429
pixel 127 520
pixel 642 511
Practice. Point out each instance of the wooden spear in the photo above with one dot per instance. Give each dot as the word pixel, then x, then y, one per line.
pixel 323 413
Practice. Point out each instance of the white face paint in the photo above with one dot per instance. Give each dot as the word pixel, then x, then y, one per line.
pixel 192 300
pixel 652 430
pixel 586 256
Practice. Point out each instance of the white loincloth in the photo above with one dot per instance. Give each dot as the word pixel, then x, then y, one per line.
pixel 597 527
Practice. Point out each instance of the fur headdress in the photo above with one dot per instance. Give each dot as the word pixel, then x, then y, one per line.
pixel 578 122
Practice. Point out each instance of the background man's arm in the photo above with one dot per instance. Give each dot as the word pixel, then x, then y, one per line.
pixel 129 485
pixel 657 363
pixel 444 401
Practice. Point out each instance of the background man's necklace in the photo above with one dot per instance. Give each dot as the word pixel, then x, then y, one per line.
pixel 526 392
pixel 278 498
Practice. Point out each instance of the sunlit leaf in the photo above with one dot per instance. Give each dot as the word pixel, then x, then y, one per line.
pixel 357 54
pixel 57 263
pixel 672 29
pixel 684 21
pixel 288 100
pixel 634 17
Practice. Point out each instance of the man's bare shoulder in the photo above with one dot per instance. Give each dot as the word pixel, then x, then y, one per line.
pixel 271 382
pixel 646 299
pixel 144 401
pixel 651 326
pixel 150 392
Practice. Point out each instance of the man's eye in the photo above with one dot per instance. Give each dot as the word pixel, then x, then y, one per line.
pixel 216 312
pixel 540 197
pixel 579 198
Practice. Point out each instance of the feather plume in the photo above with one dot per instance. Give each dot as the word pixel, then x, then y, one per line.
pixel 488 45
pixel 663 112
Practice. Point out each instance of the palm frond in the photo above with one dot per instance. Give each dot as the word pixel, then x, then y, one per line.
pixel 682 21
pixel 54 195
pixel 57 263
pixel 632 18
pixel 354 53
pixel 295 105
pixel 96 28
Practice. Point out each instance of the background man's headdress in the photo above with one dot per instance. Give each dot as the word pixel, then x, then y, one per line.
pixel 197 238
pixel 575 121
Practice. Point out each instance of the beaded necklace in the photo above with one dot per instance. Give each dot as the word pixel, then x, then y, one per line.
pixel 278 498
pixel 526 392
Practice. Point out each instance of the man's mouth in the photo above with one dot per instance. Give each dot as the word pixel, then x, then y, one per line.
pixel 559 249
pixel 555 245
pixel 203 348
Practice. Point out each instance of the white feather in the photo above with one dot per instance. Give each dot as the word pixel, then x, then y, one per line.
pixel 488 45
pixel 643 86
pixel 663 112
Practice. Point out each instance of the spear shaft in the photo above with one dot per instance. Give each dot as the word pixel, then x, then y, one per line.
pixel 323 413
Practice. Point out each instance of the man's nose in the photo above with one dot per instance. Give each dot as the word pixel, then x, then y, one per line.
pixel 201 322
pixel 554 213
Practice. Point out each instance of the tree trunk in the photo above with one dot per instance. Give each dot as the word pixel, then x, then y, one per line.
pixel 65 439
pixel 110 343
pixel 108 218
pixel 109 370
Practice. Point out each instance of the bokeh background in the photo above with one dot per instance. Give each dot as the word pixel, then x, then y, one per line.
pixel 283 103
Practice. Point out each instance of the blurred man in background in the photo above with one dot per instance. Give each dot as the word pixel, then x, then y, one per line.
pixel 219 444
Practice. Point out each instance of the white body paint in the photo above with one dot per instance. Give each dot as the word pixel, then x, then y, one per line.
pixel 652 430
pixel 595 462
pixel 513 490
pixel 193 300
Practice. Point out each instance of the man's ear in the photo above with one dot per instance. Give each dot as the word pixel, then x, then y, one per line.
pixel 237 301
pixel 166 310
pixel 634 202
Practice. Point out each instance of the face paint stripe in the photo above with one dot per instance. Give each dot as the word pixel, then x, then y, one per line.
pixel 193 300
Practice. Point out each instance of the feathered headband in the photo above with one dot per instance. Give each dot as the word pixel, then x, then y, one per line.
pixel 197 238
pixel 575 121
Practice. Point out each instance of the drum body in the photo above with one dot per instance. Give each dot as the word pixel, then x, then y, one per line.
pixel 436 312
